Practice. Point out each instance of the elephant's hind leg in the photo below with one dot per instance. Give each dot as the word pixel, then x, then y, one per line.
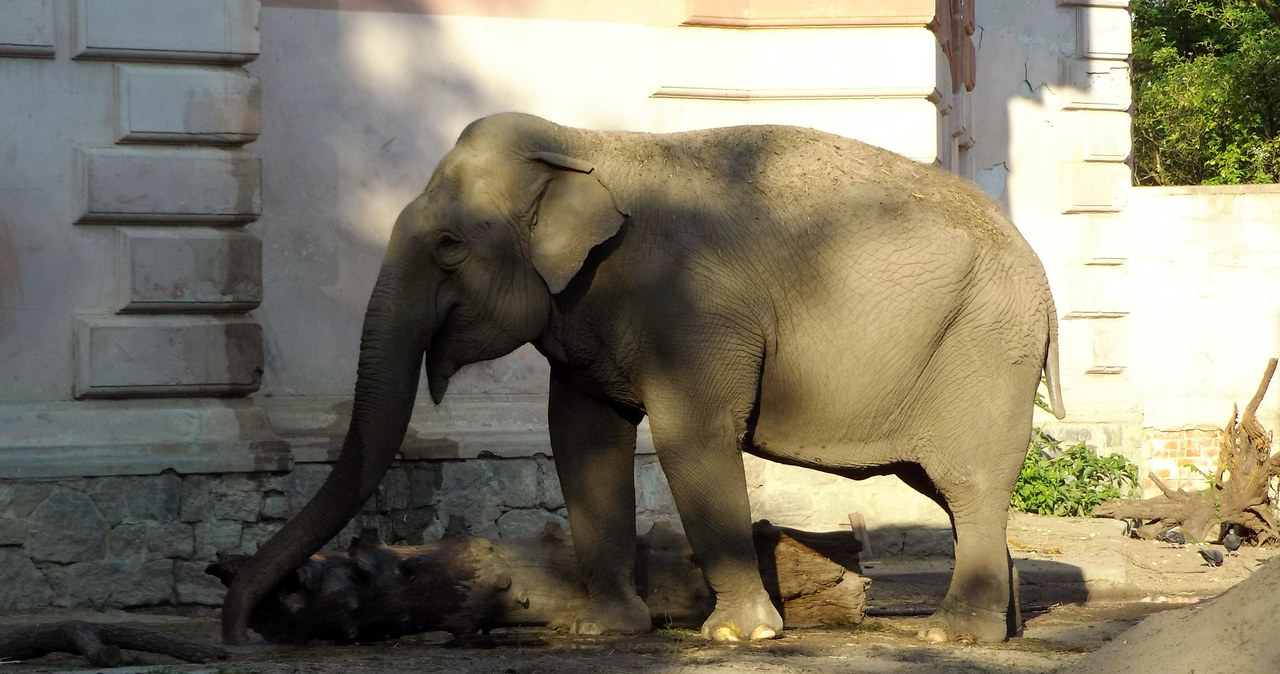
pixel 985 439
pixel 981 604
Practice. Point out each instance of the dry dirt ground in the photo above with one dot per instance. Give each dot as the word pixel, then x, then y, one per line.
pixel 1083 584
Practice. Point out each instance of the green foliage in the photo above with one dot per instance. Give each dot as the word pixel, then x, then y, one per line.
pixel 1070 481
pixel 1206 89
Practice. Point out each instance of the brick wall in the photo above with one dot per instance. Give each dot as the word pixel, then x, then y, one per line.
pixel 1180 458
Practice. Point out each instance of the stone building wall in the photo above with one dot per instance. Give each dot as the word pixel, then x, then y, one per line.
pixel 145 540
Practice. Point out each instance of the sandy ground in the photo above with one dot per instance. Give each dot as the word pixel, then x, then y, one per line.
pixel 1083 586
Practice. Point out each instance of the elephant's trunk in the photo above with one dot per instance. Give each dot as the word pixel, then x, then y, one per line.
pixel 391 351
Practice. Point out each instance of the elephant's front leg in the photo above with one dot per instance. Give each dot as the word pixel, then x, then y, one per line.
pixel 698 447
pixel 594 449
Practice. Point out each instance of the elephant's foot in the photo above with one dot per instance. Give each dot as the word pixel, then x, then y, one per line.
pixel 616 615
pixel 750 619
pixel 965 623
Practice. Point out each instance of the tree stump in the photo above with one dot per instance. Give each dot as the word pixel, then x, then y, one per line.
pixel 464 584
pixel 1238 492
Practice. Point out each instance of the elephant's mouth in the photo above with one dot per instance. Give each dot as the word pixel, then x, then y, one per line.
pixel 438 362
pixel 440 367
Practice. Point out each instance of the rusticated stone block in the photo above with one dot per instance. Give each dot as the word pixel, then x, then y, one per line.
pixel 26 28
pixel 189 271
pixel 1100 135
pixel 1095 84
pixel 1094 187
pixel 153 356
pixel 1104 32
pixel 161 104
pixel 1100 289
pixel 169 185
pixel 198 31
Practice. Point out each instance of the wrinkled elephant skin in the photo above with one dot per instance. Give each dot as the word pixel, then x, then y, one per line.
pixel 780 291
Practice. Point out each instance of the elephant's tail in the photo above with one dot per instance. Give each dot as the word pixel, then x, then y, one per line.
pixel 1052 377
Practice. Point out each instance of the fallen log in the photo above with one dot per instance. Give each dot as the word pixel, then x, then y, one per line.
pixel 1238 491
pixel 103 645
pixel 462 584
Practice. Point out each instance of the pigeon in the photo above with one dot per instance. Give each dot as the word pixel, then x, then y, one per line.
pixel 1213 557
pixel 1231 541
pixel 1172 537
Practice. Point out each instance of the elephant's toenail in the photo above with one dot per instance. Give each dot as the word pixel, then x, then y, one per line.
pixel 936 634
pixel 726 633
pixel 763 632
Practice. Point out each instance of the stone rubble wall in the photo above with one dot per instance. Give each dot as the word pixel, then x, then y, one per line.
pixel 129 541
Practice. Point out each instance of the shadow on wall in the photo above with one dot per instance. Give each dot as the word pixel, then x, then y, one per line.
pixel 350 135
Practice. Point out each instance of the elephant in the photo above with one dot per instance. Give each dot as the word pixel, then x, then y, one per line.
pixel 776 290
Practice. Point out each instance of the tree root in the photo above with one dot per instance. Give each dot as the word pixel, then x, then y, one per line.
pixel 1238 492
pixel 103 645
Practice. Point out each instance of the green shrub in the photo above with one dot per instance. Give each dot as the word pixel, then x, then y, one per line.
pixel 1071 480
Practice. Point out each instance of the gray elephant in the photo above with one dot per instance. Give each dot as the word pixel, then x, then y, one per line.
pixel 775 290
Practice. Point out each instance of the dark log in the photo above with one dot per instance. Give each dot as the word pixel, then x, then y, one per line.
pixel 100 644
pixel 463 584
pixel 1238 492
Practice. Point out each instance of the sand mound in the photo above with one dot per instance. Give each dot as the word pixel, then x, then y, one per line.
pixel 1233 632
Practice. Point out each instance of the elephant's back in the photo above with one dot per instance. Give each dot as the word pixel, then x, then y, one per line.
pixel 789 176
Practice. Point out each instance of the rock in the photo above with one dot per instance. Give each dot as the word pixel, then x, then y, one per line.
pixel 653 494
pixel 549 494
pixel 128 541
pixel 25 497
pixel 393 492
pixel 112 583
pixel 194 504
pixel 405 527
pixel 527 523
pixel 255 534
pixel 173 540
pixel 216 536
pixel 66 527
pixel 275 507
pixel 424 483
pixel 13 531
pixel 476 490
pixel 154 498
pixel 21 583
pixel 191 585
pixel 108 494
pixel 235 497
pixel 304 482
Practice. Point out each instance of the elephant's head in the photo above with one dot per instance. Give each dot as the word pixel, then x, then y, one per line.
pixel 506 221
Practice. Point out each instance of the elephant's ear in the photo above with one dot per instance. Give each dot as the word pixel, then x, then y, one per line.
pixel 575 214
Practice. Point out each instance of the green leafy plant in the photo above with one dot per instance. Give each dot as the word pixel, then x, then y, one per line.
pixel 1206 92
pixel 1070 480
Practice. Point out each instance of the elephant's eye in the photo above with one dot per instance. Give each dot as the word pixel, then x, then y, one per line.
pixel 449 249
